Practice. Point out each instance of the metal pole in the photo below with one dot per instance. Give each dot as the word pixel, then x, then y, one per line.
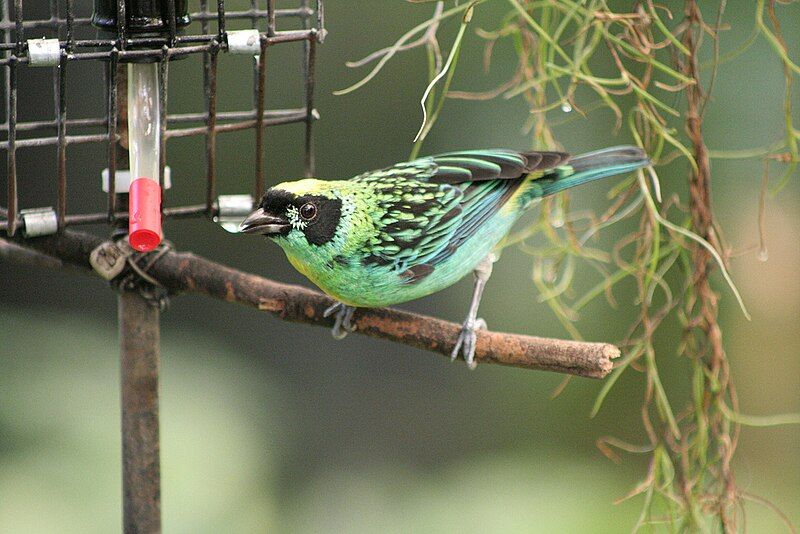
pixel 139 340
pixel 139 365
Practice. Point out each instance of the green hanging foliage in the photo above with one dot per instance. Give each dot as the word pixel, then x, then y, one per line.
pixel 658 94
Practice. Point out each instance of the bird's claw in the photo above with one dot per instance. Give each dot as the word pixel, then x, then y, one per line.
pixel 343 324
pixel 467 340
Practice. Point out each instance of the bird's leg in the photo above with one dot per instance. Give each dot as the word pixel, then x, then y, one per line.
pixel 344 317
pixel 468 337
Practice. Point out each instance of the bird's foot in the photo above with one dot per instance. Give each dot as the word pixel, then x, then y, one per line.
pixel 344 319
pixel 467 339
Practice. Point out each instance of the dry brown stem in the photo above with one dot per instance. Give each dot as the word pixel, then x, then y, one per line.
pixel 183 272
pixel 702 306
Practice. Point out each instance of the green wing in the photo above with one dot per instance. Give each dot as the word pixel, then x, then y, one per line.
pixel 470 166
pixel 428 207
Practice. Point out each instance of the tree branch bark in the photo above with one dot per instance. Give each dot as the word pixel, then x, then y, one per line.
pixel 184 272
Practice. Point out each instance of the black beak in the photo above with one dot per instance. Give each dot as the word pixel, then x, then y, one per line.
pixel 259 222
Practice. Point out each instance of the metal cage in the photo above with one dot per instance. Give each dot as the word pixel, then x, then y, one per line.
pixel 113 33
pixel 70 36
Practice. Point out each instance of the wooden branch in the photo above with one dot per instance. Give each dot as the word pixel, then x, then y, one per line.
pixel 13 252
pixel 183 272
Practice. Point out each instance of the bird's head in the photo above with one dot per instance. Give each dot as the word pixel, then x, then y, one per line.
pixel 300 213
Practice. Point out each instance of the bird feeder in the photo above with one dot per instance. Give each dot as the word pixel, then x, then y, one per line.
pixel 131 44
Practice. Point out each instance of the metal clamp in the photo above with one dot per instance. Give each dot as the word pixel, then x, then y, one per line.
pixel 122 179
pixel 38 222
pixel 232 210
pixel 44 52
pixel 244 42
pixel 109 258
pixel 128 270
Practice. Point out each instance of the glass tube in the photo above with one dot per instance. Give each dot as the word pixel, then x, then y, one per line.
pixel 144 117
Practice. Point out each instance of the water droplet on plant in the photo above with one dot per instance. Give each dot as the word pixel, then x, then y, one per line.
pixel 566 107
pixel 557 217
pixel 549 271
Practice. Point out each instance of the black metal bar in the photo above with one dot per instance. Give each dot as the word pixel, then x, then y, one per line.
pixel 210 84
pixel 179 212
pixel 53 15
pixel 308 59
pixel 320 17
pixel 254 17
pixel 162 138
pixel 271 17
pixel 310 79
pixel 11 158
pixel 221 21
pixel 158 42
pixel 260 174
pixel 55 23
pixel 5 15
pixel 210 118
pixel 70 25
pixel 250 13
pixel 52 23
pixel 300 116
pixel 154 42
pixel 271 118
pixel 204 16
pixel 18 28
pixel 290 36
pixel 10 192
pixel 233 115
pixel 111 91
pixel 174 118
pixel 120 24
pixel 254 24
pixel 50 124
pixel 46 141
pixel 204 19
pixel 172 21
pixel 258 94
pixel 304 4
pixel 60 82
pixel 139 365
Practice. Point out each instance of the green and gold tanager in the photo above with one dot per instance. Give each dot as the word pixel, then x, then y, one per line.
pixel 400 233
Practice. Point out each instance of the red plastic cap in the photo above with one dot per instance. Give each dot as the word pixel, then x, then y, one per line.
pixel 144 207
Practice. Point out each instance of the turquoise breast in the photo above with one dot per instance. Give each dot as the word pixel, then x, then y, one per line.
pixel 373 286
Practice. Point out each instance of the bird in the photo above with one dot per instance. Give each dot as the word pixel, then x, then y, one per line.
pixel 406 231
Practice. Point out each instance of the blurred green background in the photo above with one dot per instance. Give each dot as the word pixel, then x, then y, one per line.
pixel 271 425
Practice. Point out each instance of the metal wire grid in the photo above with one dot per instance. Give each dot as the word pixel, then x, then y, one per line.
pixel 121 47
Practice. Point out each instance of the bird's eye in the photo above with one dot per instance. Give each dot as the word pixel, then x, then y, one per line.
pixel 308 211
